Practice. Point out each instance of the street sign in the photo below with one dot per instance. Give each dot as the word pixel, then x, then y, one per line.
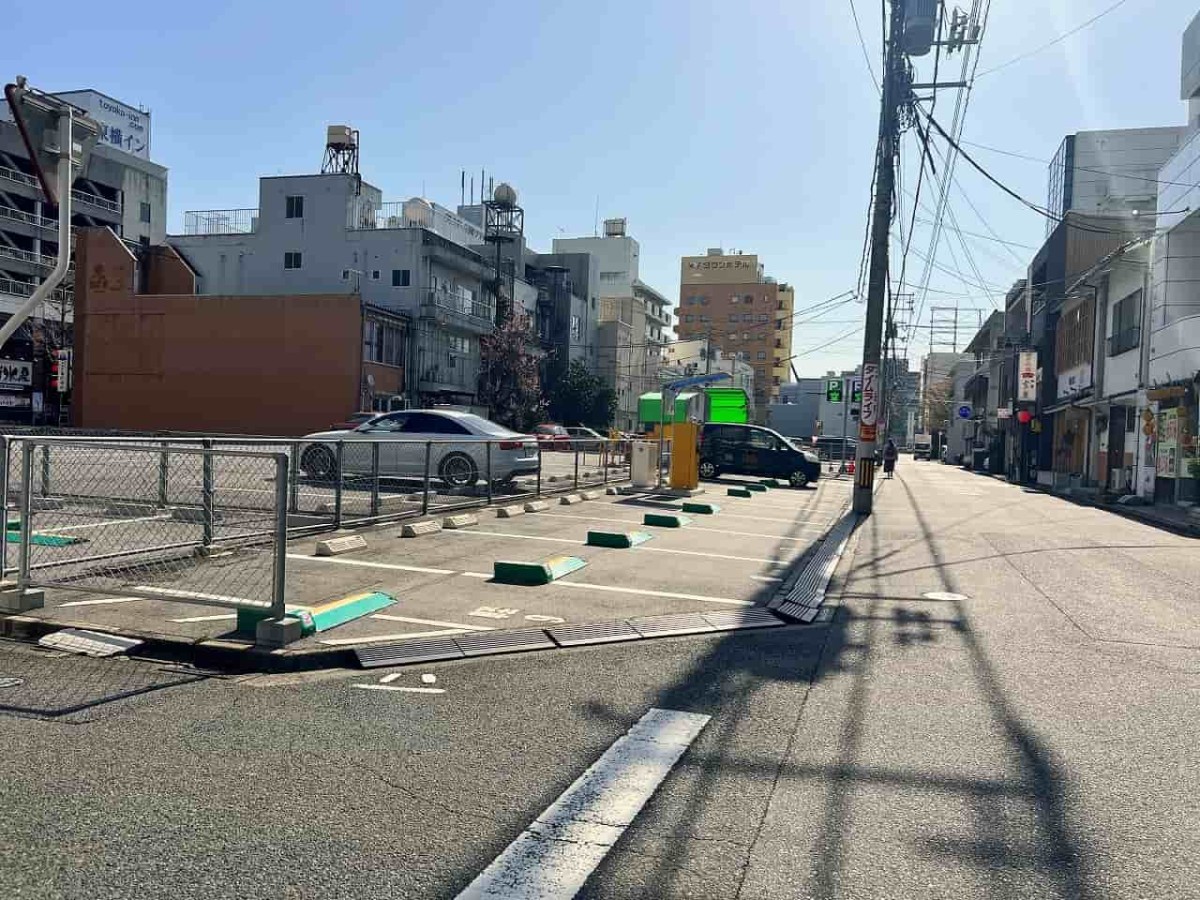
pixel 1004 412
pixel 869 414
pixel 856 390
pixel 833 390
pixel 15 374
pixel 964 411
pixel 1027 376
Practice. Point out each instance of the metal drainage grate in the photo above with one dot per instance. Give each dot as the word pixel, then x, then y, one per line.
pixel 806 594
pixel 676 623
pixel 485 643
pixel 756 617
pixel 595 633
pixel 417 650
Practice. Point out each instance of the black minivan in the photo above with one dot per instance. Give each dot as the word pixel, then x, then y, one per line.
pixel 753 450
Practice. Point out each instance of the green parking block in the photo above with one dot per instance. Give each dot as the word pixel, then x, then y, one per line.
pixel 757 488
pixel 621 540
pixel 322 616
pixel 704 509
pixel 42 539
pixel 665 520
pixel 770 482
pixel 535 573
pixel 739 492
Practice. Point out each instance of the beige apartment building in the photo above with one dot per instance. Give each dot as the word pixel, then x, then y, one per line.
pixel 726 299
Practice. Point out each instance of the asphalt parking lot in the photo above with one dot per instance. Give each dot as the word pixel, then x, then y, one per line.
pixel 443 585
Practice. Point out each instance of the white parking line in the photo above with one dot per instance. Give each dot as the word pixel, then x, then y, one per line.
pixel 398 688
pixel 578 543
pixel 765 578
pixel 647 593
pixel 114 522
pixel 217 618
pixel 561 848
pixel 412 621
pixel 102 602
pixel 339 642
pixel 777 537
pixel 370 565
pixel 475 574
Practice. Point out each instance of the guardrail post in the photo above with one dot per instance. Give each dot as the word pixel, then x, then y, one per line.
pixel 488 470
pixel 206 491
pixel 538 490
pixel 425 490
pixel 294 478
pixel 279 568
pixel 26 517
pixel 374 479
pixel 575 449
pixel 338 461
pixel 45 470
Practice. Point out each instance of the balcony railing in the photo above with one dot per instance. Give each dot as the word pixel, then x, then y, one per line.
pixel 220 221
pixel 1124 340
pixel 37 259
pixel 17 215
pixel 26 289
pixel 18 177
pixel 96 200
pixel 473 312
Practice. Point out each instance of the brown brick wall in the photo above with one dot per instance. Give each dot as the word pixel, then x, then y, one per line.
pixel 277 365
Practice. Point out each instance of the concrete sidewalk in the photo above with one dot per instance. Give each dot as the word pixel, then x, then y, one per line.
pixel 1004 707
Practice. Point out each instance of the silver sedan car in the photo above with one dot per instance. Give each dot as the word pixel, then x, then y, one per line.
pixel 458 448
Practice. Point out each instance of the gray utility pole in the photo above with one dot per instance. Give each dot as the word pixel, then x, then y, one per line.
pixel 877 277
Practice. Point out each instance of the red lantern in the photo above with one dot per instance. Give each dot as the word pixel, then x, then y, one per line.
pixel 1024 416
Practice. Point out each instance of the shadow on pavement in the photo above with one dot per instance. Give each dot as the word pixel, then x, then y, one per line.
pixel 723 684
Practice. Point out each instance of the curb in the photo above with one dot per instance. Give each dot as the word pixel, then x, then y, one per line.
pixel 1182 529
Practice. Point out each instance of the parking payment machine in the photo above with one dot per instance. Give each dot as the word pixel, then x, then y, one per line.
pixel 685 435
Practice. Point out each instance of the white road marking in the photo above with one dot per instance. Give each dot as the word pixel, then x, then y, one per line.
pixel 388 679
pixel 102 602
pixel 56 530
pixel 561 848
pixel 398 688
pixel 475 574
pixel 198 597
pixel 553 620
pixel 577 543
pixel 340 642
pixel 645 593
pixel 391 618
pixel 371 565
pixel 494 612
pixel 777 537
pixel 765 578
pixel 216 618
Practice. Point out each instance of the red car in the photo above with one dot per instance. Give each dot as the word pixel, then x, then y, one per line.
pixel 552 437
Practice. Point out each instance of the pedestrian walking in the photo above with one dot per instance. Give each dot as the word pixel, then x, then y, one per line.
pixel 889 458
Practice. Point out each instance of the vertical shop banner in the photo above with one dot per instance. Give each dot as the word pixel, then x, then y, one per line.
pixel 1167 465
pixel 1027 376
pixel 869 412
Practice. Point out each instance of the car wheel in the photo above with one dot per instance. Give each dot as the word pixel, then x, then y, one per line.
pixel 458 470
pixel 708 469
pixel 318 462
pixel 798 479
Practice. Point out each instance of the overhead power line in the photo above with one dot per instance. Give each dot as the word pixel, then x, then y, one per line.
pixel 1062 37
pixel 863 44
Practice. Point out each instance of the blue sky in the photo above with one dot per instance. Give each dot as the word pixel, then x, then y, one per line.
pixel 747 125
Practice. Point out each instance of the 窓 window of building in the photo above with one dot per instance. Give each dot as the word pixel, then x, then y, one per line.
pixel 762 354
pixel 374 274
pixel 401 277
pixel 292 259
pixel 1126 324
pixel 294 207
pixel 733 317
pixel 383 343
pixel 763 318
pixel 688 317
pixel 144 212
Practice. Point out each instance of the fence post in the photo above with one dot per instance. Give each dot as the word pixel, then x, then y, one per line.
pixel 164 465
pixel 604 460
pixel 488 471
pixel 294 478
pixel 425 493
pixel 374 479
pixel 4 451
pixel 339 458
pixel 575 449
pixel 26 517
pixel 206 491
pixel 45 470
pixel 538 490
pixel 279 569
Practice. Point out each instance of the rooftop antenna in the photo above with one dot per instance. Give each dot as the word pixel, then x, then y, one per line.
pixel 462 187
pixel 596 220
pixel 472 190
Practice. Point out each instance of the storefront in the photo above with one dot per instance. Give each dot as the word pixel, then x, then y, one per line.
pixel 1173 447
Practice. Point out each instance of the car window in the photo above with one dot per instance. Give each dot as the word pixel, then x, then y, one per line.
pixel 481 425
pixel 428 423
pixel 732 434
pixel 761 440
pixel 393 423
